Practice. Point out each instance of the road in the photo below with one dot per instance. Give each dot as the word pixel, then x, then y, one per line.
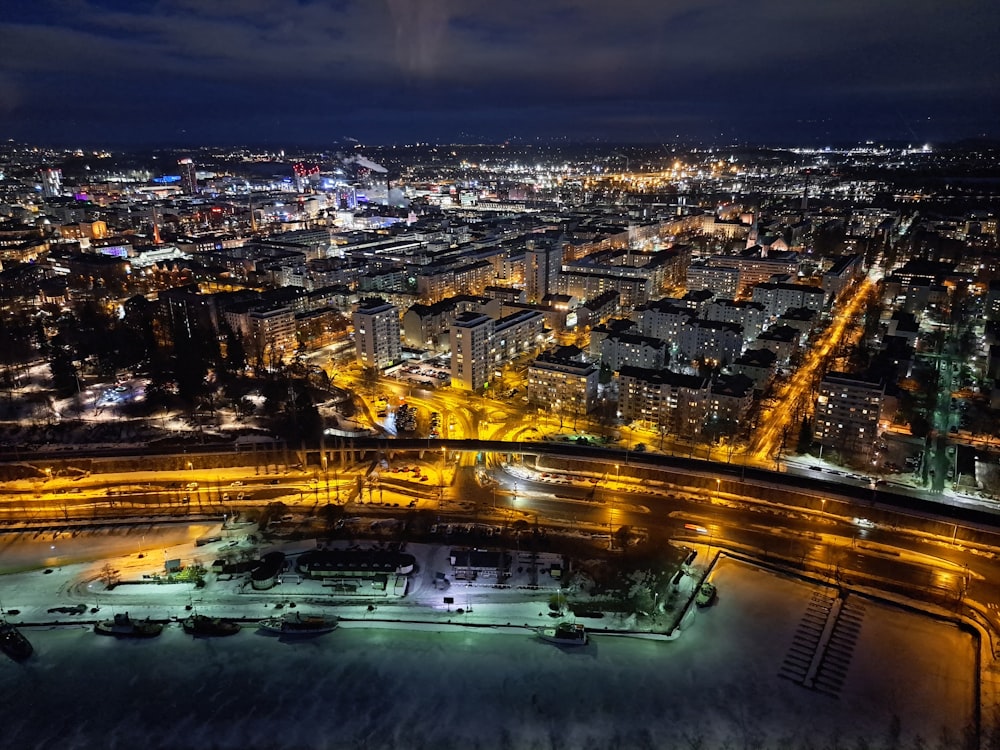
pixel 906 553
pixel 911 556
pixel 794 395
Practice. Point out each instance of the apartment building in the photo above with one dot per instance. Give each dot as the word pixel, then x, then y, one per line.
pixel 776 298
pixel 620 350
pixel 472 356
pixel 750 316
pixel 560 381
pixel 847 413
pixel 376 333
pixel 758 365
pixel 711 340
pixel 663 319
pixel 670 401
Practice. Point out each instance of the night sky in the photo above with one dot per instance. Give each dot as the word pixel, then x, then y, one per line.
pixel 187 72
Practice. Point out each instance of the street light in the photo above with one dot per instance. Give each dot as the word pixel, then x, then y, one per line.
pixel 441 478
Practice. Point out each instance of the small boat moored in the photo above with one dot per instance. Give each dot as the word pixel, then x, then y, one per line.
pixel 564 634
pixel 13 643
pixel 298 624
pixel 214 626
pixel 122 626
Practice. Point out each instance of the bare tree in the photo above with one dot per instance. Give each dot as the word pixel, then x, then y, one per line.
pixel 110 577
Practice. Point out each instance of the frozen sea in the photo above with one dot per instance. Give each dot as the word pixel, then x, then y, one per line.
pixel 719 685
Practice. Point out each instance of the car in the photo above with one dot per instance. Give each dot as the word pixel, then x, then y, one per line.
pixel 192 485
pixel 275 481
pixel 237 483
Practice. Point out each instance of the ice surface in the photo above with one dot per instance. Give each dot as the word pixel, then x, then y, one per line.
pixel 376 687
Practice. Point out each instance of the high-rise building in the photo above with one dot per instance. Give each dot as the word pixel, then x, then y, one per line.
pixel 376 333
pixel 271 337
pixel 542 264
pixel 189 176
pixel 847 413
pixel 51 182
pixel 471 355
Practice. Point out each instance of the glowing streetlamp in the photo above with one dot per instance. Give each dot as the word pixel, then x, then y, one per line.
pixel 441 477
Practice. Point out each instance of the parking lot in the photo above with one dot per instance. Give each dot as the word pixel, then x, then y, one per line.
pixel 432 373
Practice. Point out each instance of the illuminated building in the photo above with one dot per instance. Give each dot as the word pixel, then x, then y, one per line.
pixel 744 313
pixel 621 350
pixel 847 413
pixel 51 182
pixel 561 382
pixel 670 401
pixel 271 336
pixel 471 355
pixel 714 340
pixel 542 264
pixel 776 298
pixel 479 344
pixel 189 177
pixel 757 266
pixel 663 319
pixel 724 282
pixel 376 333
pixel 756 364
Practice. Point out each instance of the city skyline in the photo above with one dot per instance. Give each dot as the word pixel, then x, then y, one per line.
pixel 179 73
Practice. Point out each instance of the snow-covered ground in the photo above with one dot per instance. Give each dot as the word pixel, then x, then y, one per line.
pixel 725 680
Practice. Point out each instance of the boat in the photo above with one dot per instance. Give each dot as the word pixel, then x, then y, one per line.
pixel 203 625
pixel 13 643
pixel 123 626
pixel 706 594
pixel 564 634
pixel 298 624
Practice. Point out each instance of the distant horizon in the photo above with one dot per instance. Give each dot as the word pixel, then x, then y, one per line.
pixel 513 142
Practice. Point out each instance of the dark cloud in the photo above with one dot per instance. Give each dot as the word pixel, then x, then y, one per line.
pixel 405 69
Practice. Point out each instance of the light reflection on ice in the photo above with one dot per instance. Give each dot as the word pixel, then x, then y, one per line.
pixel 378 688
